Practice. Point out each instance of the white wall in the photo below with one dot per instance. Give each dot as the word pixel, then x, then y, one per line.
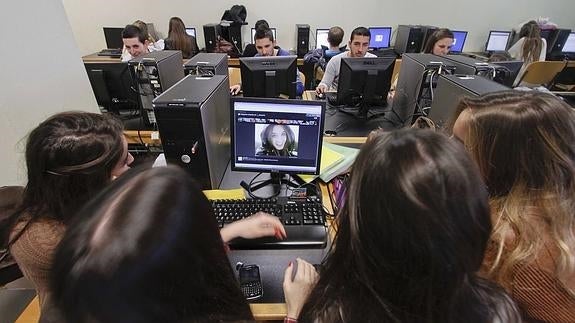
pixel 42 73
pixel 87 17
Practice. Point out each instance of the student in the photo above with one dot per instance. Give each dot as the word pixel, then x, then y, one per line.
pixel 147 249
pixel 250 50
pixel 69 157
pixel 440 42
pixel 137 42
pixel 266 46
pixel 277 140
pixel 410 238
pixel 529 48
pixel 358 45
pixel 523 143
pixel 321 56
pixel 178 39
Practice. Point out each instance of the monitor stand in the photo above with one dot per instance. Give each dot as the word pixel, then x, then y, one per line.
pixel 276 179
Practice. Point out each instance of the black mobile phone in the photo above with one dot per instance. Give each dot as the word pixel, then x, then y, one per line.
pixel 250 281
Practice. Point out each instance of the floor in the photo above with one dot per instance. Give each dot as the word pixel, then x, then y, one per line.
pixel 14 297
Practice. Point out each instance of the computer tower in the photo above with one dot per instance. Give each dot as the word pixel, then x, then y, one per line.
pixel 194 120
pixel 411 38
pixel 451 88
pixel 154 73
pixel 554 49
pixel 417 78
pixel 211 33
pixel 205 64
pixel 302 39
pixel 501 72
pixel 234 36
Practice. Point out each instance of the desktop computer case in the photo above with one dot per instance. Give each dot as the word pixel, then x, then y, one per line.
pixel 211 33
pixel 411 38
pixel 194 120
pixel 215 63
pixel 163 68
pixel 410 80
pixel 302 40
pixel 451 88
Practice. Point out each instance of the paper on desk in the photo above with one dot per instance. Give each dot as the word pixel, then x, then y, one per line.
pixel 237 193
pixel 329 158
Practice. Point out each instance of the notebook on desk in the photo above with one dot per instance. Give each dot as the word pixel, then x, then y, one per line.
pixel 112 52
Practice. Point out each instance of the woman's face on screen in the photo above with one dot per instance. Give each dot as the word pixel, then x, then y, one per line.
pixel 278 137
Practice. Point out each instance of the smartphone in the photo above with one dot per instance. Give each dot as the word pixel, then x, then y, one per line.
pixel 250 281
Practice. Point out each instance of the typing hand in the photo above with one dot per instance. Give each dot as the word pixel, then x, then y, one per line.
pixel 320 89
pixel 256 226
pixel 235 89
pixel 297 290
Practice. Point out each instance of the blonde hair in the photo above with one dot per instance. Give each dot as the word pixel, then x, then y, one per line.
pixel 524 145
pixel 144 28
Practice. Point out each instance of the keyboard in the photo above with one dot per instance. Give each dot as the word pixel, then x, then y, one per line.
pixel 113 52
pixel 303 220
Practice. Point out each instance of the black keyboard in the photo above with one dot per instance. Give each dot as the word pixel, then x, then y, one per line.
pixel 303 220
pixel 113 52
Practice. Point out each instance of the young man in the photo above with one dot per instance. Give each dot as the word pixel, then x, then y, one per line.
pixel 266 46
pixel 358 45
pixel 321 56
pixel 135 42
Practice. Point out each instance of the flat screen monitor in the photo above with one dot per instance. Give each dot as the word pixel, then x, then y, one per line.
pixel 321 38
pixel 269 76
pixel 458 41
pixel 569 46
pixel 113 37
pixel 364 82
pixel 276 136
pixel 380 37
pixel 497 41
pixel 191 31
pixel 112 86
pixel 254 35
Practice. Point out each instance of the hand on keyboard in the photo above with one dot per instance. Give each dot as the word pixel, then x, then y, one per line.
pixel 258 225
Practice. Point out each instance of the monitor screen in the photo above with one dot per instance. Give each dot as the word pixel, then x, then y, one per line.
pixel 458 41
pixel 112 86
pixel 321 38
pixel 191 31
pixel 380 37
pixel 497 41
pixel 269 76
pixel 113 37
pixel 274 135
pixel 569 46
pixel 364 80
pixel 254 35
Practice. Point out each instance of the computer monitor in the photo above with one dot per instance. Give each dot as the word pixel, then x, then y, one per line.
pixel 364 82
pixel 321 38
pixel 269 76
pixel 254 35
pixel 113 37
pixel 191 31
pixel 276 136
pixel 112 86
pixel 380 37
pixel 458 41
pixel 497 41
pixel 569 46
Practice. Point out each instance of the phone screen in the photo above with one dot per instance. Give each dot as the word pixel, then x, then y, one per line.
pixel 249 274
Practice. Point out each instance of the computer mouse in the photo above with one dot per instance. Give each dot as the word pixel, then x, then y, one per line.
pixel 320 96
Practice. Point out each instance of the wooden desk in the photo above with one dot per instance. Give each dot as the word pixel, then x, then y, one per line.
pixel 235 62
pixel 94 58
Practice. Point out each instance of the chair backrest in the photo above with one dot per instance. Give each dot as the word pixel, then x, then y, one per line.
pixel 542 72
pixel 234 75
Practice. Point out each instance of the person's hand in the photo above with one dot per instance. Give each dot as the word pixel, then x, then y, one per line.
pixel 321 89
pixel 256 226
pixel 235 89
pixel 297 291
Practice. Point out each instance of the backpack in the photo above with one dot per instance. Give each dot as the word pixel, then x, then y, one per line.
pixel 236 15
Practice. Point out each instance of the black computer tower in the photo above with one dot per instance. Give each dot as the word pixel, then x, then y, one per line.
pixel 211 33
pixel 501 72
pixel 554 50
pixel 194 120
pixel 451 88
pixel 417 78
pixel 234 36
pixel 302 39
pixel 411 38
pixel 154 73
pixel 205 64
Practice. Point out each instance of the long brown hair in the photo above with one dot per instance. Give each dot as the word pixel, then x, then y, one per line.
pixel 523 143
pixel 533 44
pixel 437 35
pixel 178 37
pixel 410 238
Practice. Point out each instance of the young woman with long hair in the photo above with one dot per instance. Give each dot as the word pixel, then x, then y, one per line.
pixel 178 39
